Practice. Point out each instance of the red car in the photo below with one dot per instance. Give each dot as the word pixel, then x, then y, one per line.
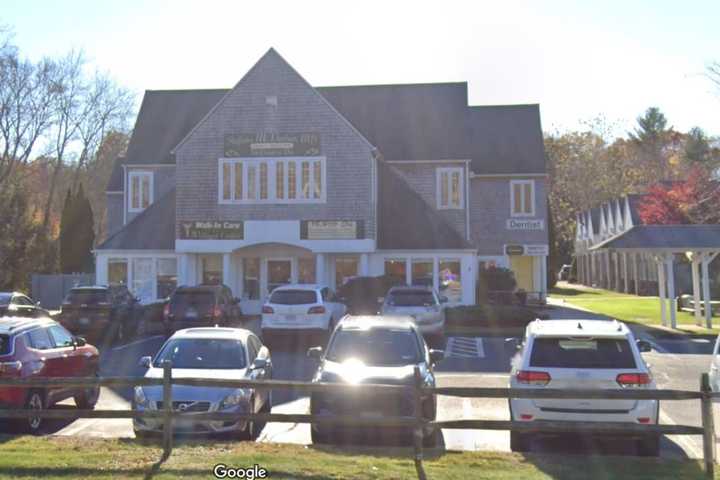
pixel 41 347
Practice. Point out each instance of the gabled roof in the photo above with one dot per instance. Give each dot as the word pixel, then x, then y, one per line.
pixel 406 222
pixel 680 238
pixel 153 229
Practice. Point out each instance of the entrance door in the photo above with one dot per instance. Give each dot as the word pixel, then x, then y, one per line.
pixel 279 272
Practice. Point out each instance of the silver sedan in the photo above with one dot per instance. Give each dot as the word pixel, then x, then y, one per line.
pixel 217 353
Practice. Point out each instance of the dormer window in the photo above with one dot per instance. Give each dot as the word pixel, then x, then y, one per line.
pixel 140 194
pixel 522 198
pixel 449 189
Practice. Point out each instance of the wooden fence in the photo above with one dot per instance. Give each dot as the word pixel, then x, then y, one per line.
pixel 416 422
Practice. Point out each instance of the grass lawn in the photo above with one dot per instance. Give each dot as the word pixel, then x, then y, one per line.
pixel 65 458
pixel 625 307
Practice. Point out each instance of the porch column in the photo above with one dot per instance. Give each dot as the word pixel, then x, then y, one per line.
pixel 671 289
pixel 695 270
pixel 608 281
pixel 101 269
pixel 364 265
pixel 625 272
pixel 706 259
pixel 182 269
pixel 320 274
pixel 661 290
pixel 228 275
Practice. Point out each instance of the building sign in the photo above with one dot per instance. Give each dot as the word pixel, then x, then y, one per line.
pixel 272 145
pixel 330 230
pixel 529 250
pixel 514 249
pixel 211 230
pixel 519 224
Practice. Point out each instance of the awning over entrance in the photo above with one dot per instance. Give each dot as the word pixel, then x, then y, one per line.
pixel 700 243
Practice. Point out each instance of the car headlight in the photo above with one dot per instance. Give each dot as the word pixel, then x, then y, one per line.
pixel 140 398
pixel 238 397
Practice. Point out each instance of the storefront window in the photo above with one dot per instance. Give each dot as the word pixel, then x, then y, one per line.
pixel 142 279
pixel 279 273
pixel 450 280
pixel 166 276
pixel 117 271
pixel 251 278
pixel 345 269
pixel 422 272
pixel 395 269
pixel 212 273
pixel 306 270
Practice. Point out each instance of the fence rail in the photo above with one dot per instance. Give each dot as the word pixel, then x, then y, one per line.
pixel 416 422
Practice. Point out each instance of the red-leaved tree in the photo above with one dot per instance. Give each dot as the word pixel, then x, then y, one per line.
pixel 695 200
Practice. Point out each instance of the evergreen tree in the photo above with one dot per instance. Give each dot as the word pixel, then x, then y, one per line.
pixel 697 146
pixel 652 127
pixel 86 232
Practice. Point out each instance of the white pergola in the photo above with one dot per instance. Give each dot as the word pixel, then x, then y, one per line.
pixel 699 243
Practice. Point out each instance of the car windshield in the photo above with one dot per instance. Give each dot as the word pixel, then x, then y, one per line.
pixel 87 297
pixel 203 353
pixel 293 297
pixel 411 298
pixel 192 298
pixel 4 344
pixel 5 298
pixel 375 347
pixel 582 353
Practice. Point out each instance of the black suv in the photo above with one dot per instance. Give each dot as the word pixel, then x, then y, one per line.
pixel 200 306
pixel 372 350
pixel 14 304
pixel 101 314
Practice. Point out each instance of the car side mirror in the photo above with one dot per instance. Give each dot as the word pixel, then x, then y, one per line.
pixel 145 362
pixel 315 353
pixel 436 356
pixel 79 341
pixel 643 346
pixel 259 364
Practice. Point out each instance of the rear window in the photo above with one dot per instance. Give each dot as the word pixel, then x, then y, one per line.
pixel 193 298
pixel 582 353
pixel 411 298
pixel 87 297
pixel 4 344
pixel 293 297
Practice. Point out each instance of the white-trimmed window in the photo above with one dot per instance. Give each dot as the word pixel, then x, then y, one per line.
pixel 140 191
pixel 522 198
pixel 272 180
pixel 449 188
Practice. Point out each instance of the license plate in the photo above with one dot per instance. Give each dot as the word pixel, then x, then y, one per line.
pixel 191 315
pixel 290 318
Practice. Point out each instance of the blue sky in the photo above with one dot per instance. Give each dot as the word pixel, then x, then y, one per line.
pixel 577 59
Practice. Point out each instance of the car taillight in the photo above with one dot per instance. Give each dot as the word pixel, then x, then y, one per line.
pixel 10 367
pixel 216 313
pixel 316 310
pixel 267 309
pixel 166 311
pixel 530 377
pixel 633 379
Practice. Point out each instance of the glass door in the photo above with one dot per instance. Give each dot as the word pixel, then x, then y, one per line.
pixel 279 272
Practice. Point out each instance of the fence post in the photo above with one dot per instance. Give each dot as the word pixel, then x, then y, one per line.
pixel 418 430
pixel 708 424
pixel 167 408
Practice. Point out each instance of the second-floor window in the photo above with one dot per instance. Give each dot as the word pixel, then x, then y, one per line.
pixel 522 198
pixel 450 191
pixel 281 180
pixel 141 190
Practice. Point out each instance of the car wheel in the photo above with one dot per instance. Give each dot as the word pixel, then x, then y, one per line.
pixel 88 398
pixel 520 442
pixel 649 446
pixel 35 401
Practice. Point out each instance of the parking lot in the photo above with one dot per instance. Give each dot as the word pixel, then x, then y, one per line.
pixel 469 361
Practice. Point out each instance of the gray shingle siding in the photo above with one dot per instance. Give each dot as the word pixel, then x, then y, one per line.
pixel 490 210
pixel 114 212
pixel 300 109
pixel 422 178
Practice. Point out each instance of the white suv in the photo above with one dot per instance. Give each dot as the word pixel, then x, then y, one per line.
pixel 301 307
pixel 582 354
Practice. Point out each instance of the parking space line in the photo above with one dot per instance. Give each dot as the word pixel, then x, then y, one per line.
pixel 686 443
